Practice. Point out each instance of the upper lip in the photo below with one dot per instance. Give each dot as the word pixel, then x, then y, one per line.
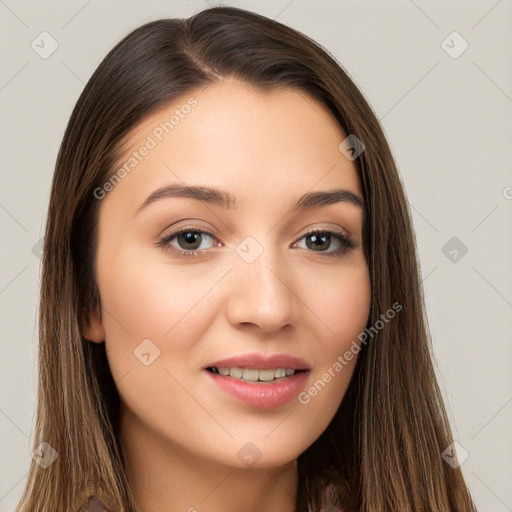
pixel 261 361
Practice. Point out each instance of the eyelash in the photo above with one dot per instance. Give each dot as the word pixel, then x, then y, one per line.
pixel 347 243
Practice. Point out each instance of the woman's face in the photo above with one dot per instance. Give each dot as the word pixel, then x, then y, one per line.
pixel 184 330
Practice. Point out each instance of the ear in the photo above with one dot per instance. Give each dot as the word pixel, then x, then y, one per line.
pixel 92 326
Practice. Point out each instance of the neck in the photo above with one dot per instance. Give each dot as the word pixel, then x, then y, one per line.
pixel 167 477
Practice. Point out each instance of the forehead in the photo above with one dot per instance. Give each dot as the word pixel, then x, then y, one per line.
pixel 234 136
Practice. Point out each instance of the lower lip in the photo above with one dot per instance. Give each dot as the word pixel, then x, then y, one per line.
pixel 265 395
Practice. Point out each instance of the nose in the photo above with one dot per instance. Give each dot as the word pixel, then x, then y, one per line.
pixel 262 294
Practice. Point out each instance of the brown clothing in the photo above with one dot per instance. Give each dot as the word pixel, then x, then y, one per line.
pixel 94 504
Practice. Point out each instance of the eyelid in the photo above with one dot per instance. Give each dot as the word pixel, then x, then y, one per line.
pixel 333 229
pixel 190 227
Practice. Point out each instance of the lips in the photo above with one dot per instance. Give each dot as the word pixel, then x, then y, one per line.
pixel 262 361
pixel 260 380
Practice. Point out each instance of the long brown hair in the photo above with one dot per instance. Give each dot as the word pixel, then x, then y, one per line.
pixel 382 451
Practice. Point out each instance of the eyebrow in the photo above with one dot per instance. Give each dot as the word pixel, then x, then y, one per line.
pixel 227 200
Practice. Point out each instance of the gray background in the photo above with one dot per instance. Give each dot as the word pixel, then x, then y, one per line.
pixel 449 124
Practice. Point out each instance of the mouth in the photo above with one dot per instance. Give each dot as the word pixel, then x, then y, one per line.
pixel 260 380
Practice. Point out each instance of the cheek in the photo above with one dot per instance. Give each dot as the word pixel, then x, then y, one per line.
pixel 148 298
pixel 144 298
pixel 153 316
pixel 343 304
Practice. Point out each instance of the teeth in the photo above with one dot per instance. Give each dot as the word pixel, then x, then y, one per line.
pixel 266 375
pixel 254 375
pixel 249 374
pixel 236 373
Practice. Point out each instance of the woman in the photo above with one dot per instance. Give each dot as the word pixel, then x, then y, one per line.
pixel 283 364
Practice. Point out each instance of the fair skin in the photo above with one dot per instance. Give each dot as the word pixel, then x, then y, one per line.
pixel 181 432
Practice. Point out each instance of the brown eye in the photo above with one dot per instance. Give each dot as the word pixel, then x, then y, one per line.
pixel 186 242
pixel 321 240
pixel 189 240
